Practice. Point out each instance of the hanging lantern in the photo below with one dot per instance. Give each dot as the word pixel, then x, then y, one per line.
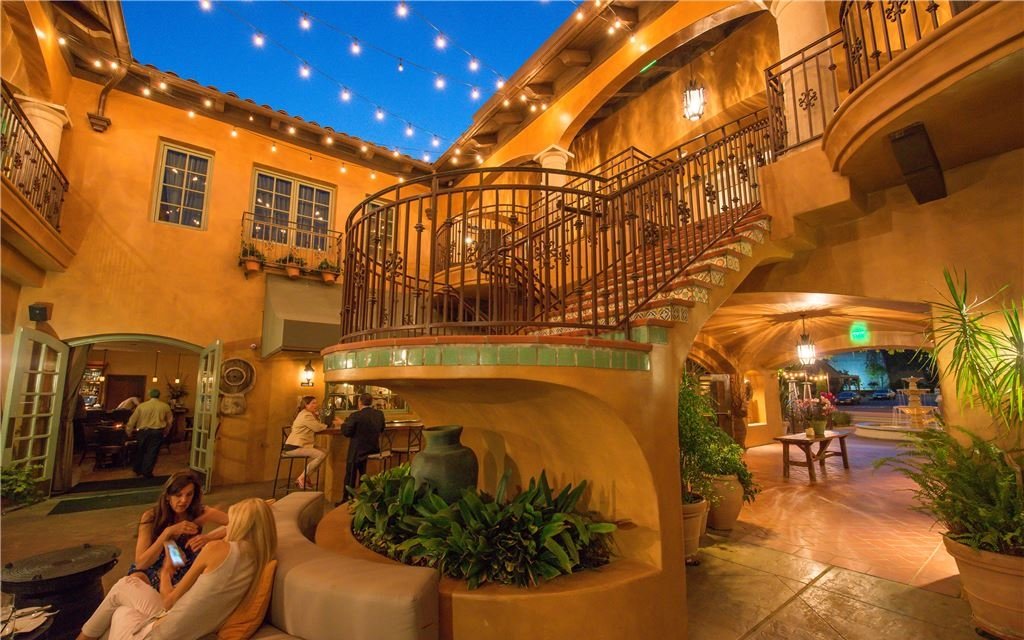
pixel 693 101
pixel 805 351
pixel 103 369
pixel 156 366
pixel 307 375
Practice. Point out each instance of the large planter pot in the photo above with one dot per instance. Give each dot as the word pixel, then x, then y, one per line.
pixel 694 521
pixel 445 463
pixel 253 265
pixel 328 277
pixel 723 515
pixel 292 271
pixel 819 427
pixel 994 585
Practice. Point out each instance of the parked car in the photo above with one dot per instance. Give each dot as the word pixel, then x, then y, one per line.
pixel 848 397
pixel 883 394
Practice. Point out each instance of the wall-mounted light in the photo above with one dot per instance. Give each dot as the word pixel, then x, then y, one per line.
pixel 693 101
pixel 307 375
pixel 805 351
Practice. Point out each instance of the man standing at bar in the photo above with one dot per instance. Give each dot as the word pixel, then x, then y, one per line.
pixel 153 419
pixel 364 428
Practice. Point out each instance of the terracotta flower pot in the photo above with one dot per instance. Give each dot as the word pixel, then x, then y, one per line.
pixel 994 585
pixel 724 514
pixel 253 265
pixel 694 520
pixel 328 277
pixel 292 271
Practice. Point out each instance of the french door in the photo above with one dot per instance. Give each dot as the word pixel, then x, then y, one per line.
pixel 204 425
pixel 32 405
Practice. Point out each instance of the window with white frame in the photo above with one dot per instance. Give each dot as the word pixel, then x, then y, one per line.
pixel 290 211
pixel 184 183
pixel 382 229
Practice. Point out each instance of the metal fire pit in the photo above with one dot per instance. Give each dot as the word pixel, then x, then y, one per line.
pixel 68 579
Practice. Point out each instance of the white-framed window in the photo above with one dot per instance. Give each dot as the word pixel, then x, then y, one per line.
pixel 382 230
pixel 183 186
pixel 291 211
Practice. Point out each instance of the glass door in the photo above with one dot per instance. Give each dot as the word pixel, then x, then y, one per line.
pixel 31 417
pixel 204 427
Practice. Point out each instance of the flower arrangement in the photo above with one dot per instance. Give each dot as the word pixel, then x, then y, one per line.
pixel 819 408
pixel 176 391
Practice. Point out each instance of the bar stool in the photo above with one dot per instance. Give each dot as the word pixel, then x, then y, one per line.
pixel 413 444
pixel 383 458
pixel 285 431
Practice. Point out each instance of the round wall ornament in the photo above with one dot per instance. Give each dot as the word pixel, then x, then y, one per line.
pixel 236 376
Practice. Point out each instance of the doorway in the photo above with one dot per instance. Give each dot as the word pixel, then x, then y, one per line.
pixel 120 388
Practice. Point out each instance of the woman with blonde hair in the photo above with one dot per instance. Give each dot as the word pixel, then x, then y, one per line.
pixel 300 441
pixel 222 575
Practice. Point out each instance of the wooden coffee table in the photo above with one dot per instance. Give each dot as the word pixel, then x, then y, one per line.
pixel 804 443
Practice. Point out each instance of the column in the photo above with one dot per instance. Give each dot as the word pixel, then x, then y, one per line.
pixel 47 119
pixel 556 158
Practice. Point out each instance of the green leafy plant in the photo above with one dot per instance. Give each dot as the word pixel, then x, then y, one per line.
pixel 535 536
pixel 975 489
pixel 250 252
pixel 841 419
pixel 18 484
pixel 327 265
pixel 291 259
pixel 725 458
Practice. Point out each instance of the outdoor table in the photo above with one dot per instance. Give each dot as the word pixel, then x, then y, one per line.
pixel 68 579
pixel 805 443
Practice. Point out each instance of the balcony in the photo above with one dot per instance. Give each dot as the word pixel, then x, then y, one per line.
pixel 304 248
pixel 26 165
pixel 890 64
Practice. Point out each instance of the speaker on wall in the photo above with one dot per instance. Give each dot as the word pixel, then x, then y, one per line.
pixel 918 162
pixel 39 312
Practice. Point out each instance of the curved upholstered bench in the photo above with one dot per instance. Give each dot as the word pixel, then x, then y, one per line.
pixel 323 595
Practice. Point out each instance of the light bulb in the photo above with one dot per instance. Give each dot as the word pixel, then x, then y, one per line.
pixel 163 86
pixel 344 169
pixel 533 108
pixel 440 41
pixel 257 39
pixel 346 95
pixel 394 153
pixel 435 141
pixel 291 130
pixel 97 63
pixel 500 82
pixel 522 97
pixel 273 148
pixel 455 160
pixel 401 67
pixel 409 130
pixel 304 71
pixel 458 151
pixel 426 157
pixel 402 10
pixel 305 22
pixel 505 103
pixel 234 133
pixel 379 114
pixel 328 140
pixel 205 5
pixel 364 148
pixel 373 175
pixel 479 159
pixel 611 30
pixel 113 64
pixel 191 113
pixel 154 379
pixel 474 94
pixel 146 91
pixel 355 48
pixel 439 82
pixel 618 23
pixel 474 64
pixel 579 14
pixel 207 103
pixel 62 41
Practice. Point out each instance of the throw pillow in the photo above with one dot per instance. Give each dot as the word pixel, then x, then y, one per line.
pixel 248 616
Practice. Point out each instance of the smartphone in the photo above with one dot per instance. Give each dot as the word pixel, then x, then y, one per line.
pixel 175 554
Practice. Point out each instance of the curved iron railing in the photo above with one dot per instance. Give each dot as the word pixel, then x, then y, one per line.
pixel 27 163
pixel 543 250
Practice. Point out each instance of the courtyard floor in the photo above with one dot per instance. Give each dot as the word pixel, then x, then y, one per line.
pixel 844 558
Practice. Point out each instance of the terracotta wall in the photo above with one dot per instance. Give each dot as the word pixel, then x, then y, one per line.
pixel 733 77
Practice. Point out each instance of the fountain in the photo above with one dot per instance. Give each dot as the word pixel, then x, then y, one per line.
pixel 907 419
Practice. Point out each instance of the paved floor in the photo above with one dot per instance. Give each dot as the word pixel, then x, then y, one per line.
pixel 843 558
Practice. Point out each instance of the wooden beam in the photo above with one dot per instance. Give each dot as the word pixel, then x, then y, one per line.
pixel 485 139
pixel 627 14
pixel 574 57
pixel 507 117
pixel 541 89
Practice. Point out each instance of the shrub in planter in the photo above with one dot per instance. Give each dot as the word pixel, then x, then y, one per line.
pixel 18 485
pixel 292 264
pixel 328 270
pixel 538 535
pixel 252 257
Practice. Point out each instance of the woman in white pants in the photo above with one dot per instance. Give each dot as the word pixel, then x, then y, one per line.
pixel 300 440
pixel 222 575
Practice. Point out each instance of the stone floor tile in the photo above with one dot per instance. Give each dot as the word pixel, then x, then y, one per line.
pixel 769 560
pixel 796 621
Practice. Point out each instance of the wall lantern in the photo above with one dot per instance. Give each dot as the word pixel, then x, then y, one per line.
pixel 805 351
pixel 694 100
pixel 307 374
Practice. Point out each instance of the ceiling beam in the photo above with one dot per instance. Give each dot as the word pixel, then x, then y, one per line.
pixel 575 57
pixel 541 89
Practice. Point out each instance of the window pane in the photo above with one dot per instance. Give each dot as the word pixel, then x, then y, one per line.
pixel 198 164
pixel 282 203
pixel 192 217
pixel 196 181
pixel 171 195
pixel 169 213
pixel 174 176
pixel 323 198
pixel 264 182
pixel 175 159
pixel 284 187
pixel 183 192
pixel 305 192
pixel 194 200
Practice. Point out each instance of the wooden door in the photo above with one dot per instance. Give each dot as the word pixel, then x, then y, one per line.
pixel 122 387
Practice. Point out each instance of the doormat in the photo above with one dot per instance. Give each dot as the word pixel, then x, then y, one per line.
pixel 117 485
pixel 77 505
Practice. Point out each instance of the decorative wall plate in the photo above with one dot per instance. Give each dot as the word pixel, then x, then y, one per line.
pixel 236 376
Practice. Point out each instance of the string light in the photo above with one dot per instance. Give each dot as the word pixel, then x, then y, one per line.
pixel 304 71
pixel 97 63
pixel 409 130
pixel 474 94
pixel 191 113
pixel 402 10
pixel 355 48
pixel 439 82
pixel 291 130
pixel 401 67
pixel 234 132
pixel 505 103
pixel 426 157
pixel 328 140
pixel 364 148
pixel 273 148
pixel 258 39
pixel 474 64
pixel 344 169
pixel 458 151
pixel 305 23
pixel 500 83
pixel 440 41
pixel 435 141
pixel 205 5
pixel 373 175
pixel 379 114
pixel 394 153
pixel 113 64
pixel 579 14
pixel 207 103
pixel 163 86
pixel 146 91
pixel 346 95
pixel 62 41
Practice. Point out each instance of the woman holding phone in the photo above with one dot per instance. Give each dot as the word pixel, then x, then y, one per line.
pixel 177 517
pixel 221 577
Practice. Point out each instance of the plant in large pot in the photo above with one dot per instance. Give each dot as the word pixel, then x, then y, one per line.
pixel 292 264
pixel 252 257
pixel 732 482
pixel 973 486
pixel 697 434
pixel 328 271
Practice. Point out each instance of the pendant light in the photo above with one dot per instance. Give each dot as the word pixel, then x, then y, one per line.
pixel 177 372
pixel 694 99
pixel 805 351
pixel 156 365
pixel 307 375
pixel 103 369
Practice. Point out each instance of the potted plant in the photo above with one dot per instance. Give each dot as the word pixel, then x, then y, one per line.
pixel 292 265
pixel 697 433
pixel 973 486
pixel 328 270
pixel 19 486
pixel 732 483
pixel 175 392
pixel 252 257
pixel 815 413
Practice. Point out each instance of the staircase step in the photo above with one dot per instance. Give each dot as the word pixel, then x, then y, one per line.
pixel 709 273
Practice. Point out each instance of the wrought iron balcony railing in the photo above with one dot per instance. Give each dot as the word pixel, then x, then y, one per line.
pixel 806 87
pixel 521 250
pixel 276 241
pixel 27 164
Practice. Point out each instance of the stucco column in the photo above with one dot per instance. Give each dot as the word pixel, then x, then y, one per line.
pixel 809 92
pixel 557 158
pixel 47 119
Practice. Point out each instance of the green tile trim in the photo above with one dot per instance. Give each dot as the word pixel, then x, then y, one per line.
pixel 471 355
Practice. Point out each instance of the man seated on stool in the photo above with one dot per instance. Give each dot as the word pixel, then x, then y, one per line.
pixel 364 428
pixel 152 418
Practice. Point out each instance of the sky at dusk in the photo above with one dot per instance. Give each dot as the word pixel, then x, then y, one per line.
pixel 216 48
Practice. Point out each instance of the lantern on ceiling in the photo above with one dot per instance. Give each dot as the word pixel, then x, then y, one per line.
pixel 805 351
pixel 694 101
